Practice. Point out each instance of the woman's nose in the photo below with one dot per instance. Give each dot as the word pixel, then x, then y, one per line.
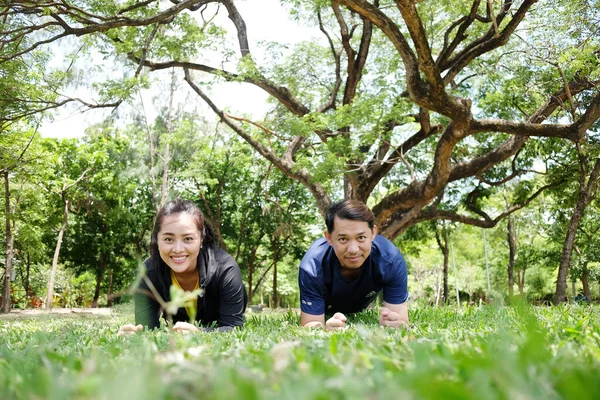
pixel 178 246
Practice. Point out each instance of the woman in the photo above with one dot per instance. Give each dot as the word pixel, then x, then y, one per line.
pixel 183 253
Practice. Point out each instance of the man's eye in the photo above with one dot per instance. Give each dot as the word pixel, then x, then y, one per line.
pixel 362 238
pixel 342 240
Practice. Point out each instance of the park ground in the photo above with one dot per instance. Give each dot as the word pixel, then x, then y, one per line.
pixel 478 352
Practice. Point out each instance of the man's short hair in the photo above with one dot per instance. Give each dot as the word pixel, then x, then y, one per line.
pixel 349 209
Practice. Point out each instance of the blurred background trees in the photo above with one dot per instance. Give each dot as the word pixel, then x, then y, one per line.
pixel 446 119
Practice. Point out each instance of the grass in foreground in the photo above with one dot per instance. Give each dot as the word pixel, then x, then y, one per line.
pixel 473 353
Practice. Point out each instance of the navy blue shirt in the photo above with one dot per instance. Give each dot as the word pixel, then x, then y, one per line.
pixel 323 289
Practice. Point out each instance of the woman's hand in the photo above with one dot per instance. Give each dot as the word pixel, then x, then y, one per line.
pixel 129 329
pixel 185 327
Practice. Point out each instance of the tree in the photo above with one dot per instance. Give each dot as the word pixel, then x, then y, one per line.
pixel 258 214
pixel 587 191
pixel 16 143
pixel 587 251
pixel 441 237
pixel 354 134
pixel 108 219
pixel 68 162
pixel 399 100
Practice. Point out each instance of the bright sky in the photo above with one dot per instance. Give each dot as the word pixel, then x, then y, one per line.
pixel 262 24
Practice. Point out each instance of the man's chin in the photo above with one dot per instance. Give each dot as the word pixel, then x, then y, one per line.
pixel 353 264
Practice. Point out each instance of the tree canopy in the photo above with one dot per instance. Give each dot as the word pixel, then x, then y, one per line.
pixel 428 111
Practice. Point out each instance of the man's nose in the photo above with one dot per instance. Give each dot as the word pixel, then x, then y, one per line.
pixel 353 246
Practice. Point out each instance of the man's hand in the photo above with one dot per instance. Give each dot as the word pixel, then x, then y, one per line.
pixel 338 321
pixel 313 324
pixel 185 327
pixel 129 329
pixel 390 319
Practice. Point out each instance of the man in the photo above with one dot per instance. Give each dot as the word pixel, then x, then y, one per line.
pixel 343 272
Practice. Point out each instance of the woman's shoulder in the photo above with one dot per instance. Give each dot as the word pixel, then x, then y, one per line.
pixel 151 265
pixel 221 257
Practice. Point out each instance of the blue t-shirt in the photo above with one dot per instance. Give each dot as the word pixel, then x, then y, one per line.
pixel 324 290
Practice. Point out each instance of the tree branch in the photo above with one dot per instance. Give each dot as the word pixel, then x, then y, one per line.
pixel 330 103
pixel 89 26
pixel 489 41
pixel 435 214
pixel 287 166
pixel 281 93
pixel 416 87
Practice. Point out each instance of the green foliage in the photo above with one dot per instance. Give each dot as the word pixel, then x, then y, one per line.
pixel 183 299
pixel 473 353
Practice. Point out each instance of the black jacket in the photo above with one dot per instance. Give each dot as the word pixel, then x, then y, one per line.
pixel 224 299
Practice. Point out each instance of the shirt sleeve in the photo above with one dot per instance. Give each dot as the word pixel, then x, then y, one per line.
pixel 312 299
pixel 395 289
pixel 147 309
pixel 232 298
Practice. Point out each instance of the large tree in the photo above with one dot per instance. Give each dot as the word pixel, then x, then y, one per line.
pixel 406 104
pixel 14 160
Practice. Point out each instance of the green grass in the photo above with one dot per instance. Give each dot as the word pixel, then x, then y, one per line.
pixel 474 353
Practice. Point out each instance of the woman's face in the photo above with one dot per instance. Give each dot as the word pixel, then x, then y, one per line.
pixel 179 242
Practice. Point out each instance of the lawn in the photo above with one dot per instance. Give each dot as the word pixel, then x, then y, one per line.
pixel 474 353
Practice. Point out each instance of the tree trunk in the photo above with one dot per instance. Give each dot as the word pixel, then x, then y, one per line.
pixel 445 272
pixel 445 248
pixel 585 281
pixel 152 171
pixel 438 287
pixel 260 280
pixel 6 303
pixel 275 259
pixel 586 195
pixel 251 274
pixel 110 288
pixel 512 252
pixel 28 293
pixel 99 276
pixel 164 192
pixel 165 177
pixel 521 280
pixel 59 240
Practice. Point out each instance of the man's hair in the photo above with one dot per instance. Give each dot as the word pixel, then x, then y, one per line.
pixel 349 209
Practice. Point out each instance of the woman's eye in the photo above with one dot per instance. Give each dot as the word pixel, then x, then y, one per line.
pixel 189 239
pixel 168 240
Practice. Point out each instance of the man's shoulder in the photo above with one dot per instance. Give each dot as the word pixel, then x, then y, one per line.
pixel 385 250
pixel 312 262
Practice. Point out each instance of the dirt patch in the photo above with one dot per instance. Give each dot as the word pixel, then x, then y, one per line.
pixel 34 312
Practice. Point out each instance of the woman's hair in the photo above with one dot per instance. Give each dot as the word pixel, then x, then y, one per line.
pixel 176 207
pixel 349 209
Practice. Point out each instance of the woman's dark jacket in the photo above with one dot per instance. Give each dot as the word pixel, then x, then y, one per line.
pixel 224 299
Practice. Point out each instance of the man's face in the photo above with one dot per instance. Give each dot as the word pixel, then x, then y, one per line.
pixel 351 241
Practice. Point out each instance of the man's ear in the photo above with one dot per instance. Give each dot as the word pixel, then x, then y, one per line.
pixel 374 230
pixel 327 236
